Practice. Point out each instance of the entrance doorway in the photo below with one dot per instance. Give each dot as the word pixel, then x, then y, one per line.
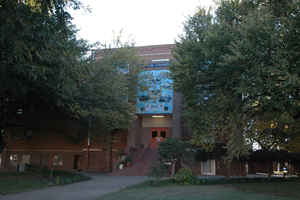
pixel 157 135
pixel 76 163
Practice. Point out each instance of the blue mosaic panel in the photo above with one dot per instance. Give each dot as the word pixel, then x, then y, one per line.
pixel 157 98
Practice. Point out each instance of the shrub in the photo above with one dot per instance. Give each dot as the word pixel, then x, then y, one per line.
pixel 185 176
pixel 158 171
pixel 57 180
pixel 171 149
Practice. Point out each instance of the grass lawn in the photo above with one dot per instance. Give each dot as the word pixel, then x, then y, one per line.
pixel 261 191
pixel 287 189
pixel 19 182
pixel 12 182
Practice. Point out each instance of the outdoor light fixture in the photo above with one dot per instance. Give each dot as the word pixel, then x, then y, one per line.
pixel 161 60
pixel 158 116
pixel 20 111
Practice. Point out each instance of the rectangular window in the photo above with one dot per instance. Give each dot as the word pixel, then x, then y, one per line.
pixel 13 157
pixel 57 160
pixel 26 159
pixel 208 167
pixel 163 134
pixel 154 134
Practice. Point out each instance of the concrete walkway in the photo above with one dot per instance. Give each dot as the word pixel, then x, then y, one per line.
pixel 87 190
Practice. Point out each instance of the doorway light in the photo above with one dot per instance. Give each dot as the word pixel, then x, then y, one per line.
pixel 158 116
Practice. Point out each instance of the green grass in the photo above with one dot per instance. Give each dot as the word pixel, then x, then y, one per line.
pixel 12 182
pixel 19 182
pixel 260 191
pixel 284 189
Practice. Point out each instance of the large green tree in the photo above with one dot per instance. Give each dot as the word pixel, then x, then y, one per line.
pixel 44 66
pixel 239 68
pixel 38 51
pixel 106 90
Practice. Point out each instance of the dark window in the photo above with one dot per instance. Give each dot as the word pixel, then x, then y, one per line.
pixel 163 134
pixel 142 109
pixel 166 108
pixel 76 162
pixel 154 134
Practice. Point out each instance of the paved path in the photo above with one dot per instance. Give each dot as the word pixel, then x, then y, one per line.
pixel 87 190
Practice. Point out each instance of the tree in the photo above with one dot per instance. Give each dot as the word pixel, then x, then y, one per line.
pixel 38 48
pixel 237 69
pixel 44 65
pixel 171 151
pixel 106 89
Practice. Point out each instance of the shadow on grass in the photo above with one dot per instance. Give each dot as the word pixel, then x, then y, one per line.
pixel 13 182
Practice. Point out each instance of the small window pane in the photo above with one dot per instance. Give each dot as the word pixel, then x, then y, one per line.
pixel 163 134
pixel 13 157
pixel 26 159
pixel 57 160
pixel 154 134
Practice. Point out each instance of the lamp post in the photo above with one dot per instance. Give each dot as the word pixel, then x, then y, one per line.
pixel 88 141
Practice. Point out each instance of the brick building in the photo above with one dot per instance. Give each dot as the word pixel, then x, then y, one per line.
pixel 37 142
pixel 66 146
pixel 49 139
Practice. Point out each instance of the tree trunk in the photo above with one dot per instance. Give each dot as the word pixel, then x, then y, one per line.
pixel 173 168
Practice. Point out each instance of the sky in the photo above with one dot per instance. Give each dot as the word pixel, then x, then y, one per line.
pixel 146 22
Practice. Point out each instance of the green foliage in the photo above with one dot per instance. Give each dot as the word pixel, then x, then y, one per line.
pixel 185 176
pixel 107 89
pixel 56 177
pixel 12 182
pixel 238 69
pixel 219 181
pixel 158 171
pixel 45 67
pixel 171 149
pixel 293 145
pixel 39 52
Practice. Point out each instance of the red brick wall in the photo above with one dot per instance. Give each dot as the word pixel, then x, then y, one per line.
pixel 43 145
pixel 148 53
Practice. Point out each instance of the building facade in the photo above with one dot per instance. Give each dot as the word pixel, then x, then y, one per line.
pixel 159 107
pixel 48 140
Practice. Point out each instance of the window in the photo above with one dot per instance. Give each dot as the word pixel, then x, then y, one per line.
pixel 26 159
pixel 208 167
pixel 163 134
pixel 57 160
pixel 13 157
pixel 154 134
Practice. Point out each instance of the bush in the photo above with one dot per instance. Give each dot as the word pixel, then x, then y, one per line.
pixel 158 171
pixel 185 176
pixel 217 181
pixel 171 149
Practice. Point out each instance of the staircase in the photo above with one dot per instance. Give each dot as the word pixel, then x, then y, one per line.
pixel 143 160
